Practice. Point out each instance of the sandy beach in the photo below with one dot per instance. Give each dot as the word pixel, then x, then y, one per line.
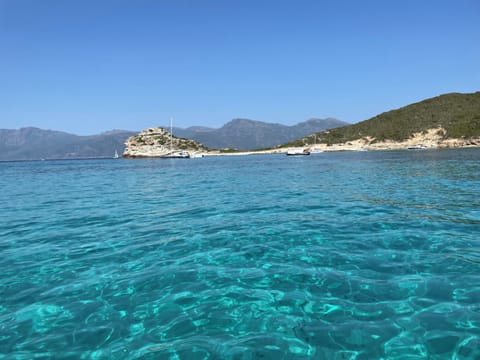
pixel 430 139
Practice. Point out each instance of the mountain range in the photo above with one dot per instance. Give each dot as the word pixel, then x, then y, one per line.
pixel 451 116
pixel 245 134
pixel 33 143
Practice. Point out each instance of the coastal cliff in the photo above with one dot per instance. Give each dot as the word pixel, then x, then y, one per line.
pixel 157 142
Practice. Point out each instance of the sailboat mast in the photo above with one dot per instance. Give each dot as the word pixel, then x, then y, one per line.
pixel 171 134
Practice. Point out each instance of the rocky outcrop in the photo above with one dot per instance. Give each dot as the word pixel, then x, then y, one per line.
pixel 158 142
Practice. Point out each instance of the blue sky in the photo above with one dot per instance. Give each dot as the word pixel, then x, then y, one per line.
pixel 86 66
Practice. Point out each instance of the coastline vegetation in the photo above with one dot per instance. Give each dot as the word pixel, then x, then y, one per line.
pixel 458 114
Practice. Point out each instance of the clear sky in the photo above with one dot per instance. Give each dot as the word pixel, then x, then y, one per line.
pixel 87 66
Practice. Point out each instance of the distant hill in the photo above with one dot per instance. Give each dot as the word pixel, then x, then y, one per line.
pixel 457 116
pixel 32 144
pixel 245 134
pixel 191 132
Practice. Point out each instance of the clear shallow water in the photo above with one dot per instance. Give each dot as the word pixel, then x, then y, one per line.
pixel 370 255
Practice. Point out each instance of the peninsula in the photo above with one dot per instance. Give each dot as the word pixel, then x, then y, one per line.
pixel 446 121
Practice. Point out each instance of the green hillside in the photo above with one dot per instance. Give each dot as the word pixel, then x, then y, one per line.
pixel 458 114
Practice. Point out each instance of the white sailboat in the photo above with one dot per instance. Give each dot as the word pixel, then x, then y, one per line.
pixel 179 154
pixel 116 155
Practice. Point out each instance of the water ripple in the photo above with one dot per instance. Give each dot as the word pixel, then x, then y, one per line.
pixel 335 256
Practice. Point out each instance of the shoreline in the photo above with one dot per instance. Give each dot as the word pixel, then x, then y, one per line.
pixel 323 148
pixel 430 139
pixel 425 140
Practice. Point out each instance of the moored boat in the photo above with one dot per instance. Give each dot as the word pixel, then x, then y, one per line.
pixel 298 152
pixel 177 155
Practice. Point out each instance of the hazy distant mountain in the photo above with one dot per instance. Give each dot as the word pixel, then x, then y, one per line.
pixel 190 132
pixel 244 134
pixel 33 144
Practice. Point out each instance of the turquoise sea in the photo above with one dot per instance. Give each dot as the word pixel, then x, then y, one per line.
pixel 368 255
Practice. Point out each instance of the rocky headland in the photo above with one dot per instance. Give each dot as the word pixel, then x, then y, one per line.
pixel 158 142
